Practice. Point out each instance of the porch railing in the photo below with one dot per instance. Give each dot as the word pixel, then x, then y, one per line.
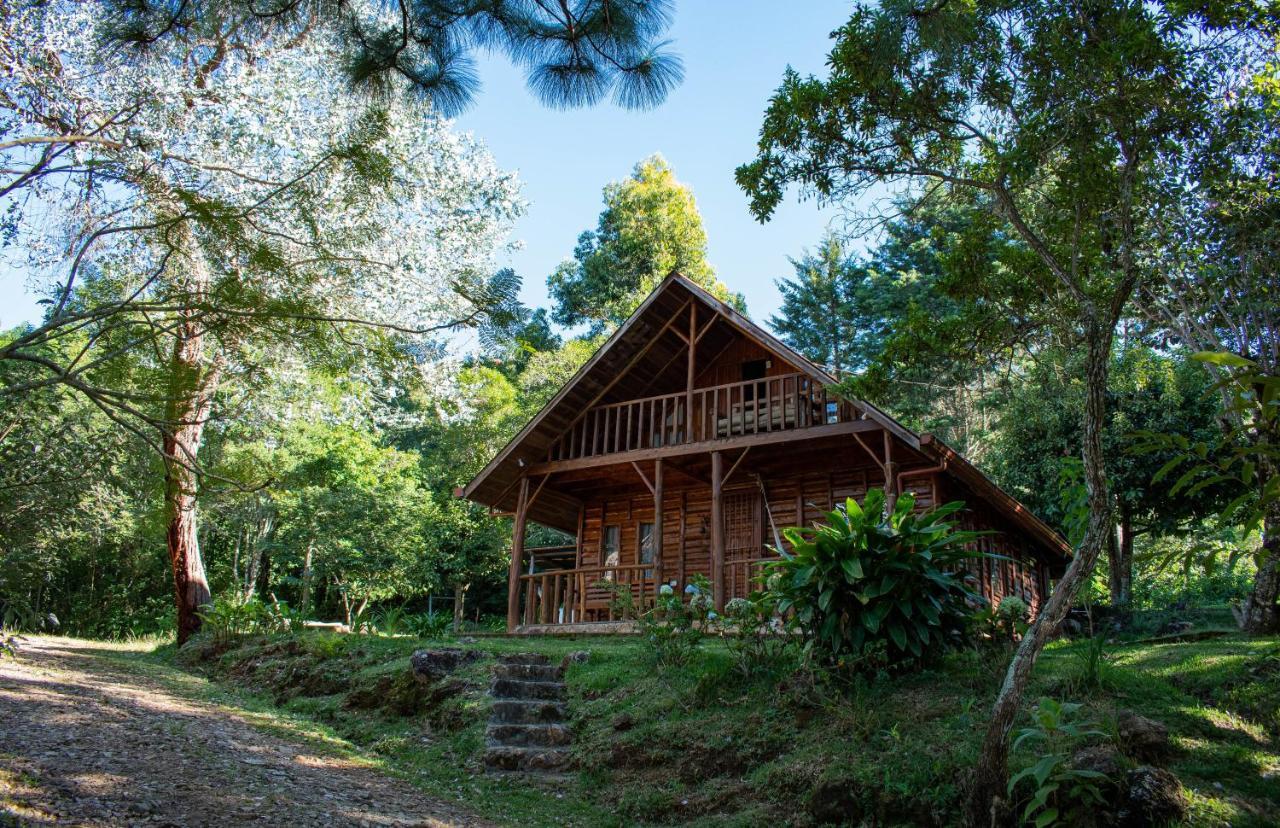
pixel 589 593
pixel 786 402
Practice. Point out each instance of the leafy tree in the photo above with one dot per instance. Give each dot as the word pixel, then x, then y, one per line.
pixel 1050 118
pixel 917 340
pixel 1040 433
pixel 1216 290
pixel 249 208
pixel 649 227
pixel 354 512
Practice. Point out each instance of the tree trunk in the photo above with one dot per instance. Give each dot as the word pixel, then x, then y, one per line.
pixel 304 605
pixel 459 602
pixel 192 386
pixel 1259 615
pixel 1120 562
pixel 986 800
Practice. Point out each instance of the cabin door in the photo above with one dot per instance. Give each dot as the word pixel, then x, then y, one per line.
pixel 743 541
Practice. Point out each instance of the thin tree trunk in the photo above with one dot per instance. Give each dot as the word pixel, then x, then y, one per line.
pixel 459 602
pixel 986 801
pixel 305 603
pixel 1126 559
pixel 1120 562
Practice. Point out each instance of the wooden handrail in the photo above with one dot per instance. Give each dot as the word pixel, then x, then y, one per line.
pixel 784 402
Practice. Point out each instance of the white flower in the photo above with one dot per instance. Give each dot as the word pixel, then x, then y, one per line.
pixel 666 590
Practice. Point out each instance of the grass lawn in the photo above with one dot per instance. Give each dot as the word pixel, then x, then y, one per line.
pixel 700 745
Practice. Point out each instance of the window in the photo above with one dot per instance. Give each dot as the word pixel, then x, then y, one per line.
pixel 644 543
pixel 611 549
pixel 753 369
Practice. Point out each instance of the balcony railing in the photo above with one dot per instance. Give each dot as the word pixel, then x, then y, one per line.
pixel 598 593
pixel 589 593
pixel 782 403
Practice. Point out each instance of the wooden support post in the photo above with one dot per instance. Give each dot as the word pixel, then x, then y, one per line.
pixel 517 553
pixel 688 380
pixel 684 531
pixel 717 530
pixel 657 520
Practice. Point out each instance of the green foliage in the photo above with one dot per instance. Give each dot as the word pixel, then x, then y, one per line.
pixel 1092 665
pixel 1054 792
pixel 864 580
pixel 574 53
pixel 650 226
pixel 755 635
pixel 1036 453
pixel 674 627
pixel 1236 457
pixel 232 617
pixel 431 624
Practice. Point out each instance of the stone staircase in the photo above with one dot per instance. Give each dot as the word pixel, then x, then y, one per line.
pixel 526 729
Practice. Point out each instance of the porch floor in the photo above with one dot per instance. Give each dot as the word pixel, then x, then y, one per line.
pixel 579 628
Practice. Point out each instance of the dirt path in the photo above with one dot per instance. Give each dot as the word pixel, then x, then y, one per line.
pixel 88 739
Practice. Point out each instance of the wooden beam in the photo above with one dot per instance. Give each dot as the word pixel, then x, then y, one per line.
pixel 704 330
pixel 628 366
pixel 717 531
pixel 640 472
pixel 729 474
pixel 657 520
pixel 517 554
pixel 725 444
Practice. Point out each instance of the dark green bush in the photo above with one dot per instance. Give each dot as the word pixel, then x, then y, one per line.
pixel 862 583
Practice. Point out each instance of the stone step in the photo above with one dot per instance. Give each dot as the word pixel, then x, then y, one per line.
pixel 527 672
pixel 527 758
pixel 528 735
pixel 523 658
pixel 513 689
pixel 517 711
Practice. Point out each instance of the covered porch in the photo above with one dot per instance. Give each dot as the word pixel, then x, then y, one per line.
pixel 662 515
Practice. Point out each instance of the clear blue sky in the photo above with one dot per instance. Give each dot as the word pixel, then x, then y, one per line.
pixel 734 55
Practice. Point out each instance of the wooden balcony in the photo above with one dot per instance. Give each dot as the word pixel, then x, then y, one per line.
pixel 783 403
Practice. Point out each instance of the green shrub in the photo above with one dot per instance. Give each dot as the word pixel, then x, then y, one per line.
pixel 234 616
pixel 391 621
pixel 674 627
pixel 755 635
pixel 1055 793
pixel 430 624
pixel 862 581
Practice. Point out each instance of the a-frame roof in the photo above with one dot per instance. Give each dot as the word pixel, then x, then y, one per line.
pixel 627 364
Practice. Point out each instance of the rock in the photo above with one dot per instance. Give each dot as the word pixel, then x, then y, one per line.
pixel 1175 627
pixel 834 801
pixel 1142 738
pixel 575 657
pixel 623 721
pixel 51 623
pixel 1152 797
pixel 433 665
pixel 1102 759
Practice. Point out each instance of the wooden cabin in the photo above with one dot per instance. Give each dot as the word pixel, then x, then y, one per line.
pixel 685 445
